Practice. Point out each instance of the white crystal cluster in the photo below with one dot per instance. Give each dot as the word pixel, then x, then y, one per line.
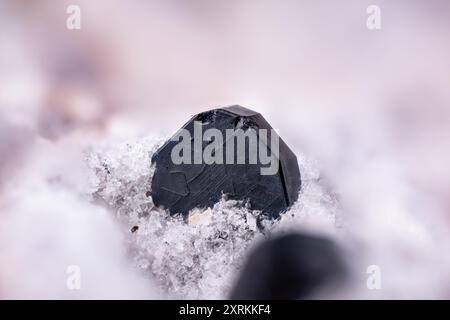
pixel 200 257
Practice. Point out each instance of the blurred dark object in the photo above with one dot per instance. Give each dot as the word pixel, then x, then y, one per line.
pixel 180 188
pixel 293 266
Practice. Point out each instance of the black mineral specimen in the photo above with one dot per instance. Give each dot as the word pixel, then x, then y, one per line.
pixel 184 186
pixel 292 266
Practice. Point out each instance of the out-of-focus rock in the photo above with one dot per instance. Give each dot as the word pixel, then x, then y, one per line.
pixel 292 266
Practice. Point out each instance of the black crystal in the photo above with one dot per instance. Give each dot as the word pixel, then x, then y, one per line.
pixel 182 187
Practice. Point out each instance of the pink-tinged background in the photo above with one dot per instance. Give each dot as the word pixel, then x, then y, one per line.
pixel 370 107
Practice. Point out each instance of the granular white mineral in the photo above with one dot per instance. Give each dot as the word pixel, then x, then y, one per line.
pixel 200 258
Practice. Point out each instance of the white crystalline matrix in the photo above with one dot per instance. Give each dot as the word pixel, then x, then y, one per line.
pixel 198 259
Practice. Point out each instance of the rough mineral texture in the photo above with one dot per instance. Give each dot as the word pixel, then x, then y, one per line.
pixel 180 188
pixel 203 258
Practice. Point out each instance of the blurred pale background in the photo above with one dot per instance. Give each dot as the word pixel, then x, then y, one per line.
pixel 371 106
